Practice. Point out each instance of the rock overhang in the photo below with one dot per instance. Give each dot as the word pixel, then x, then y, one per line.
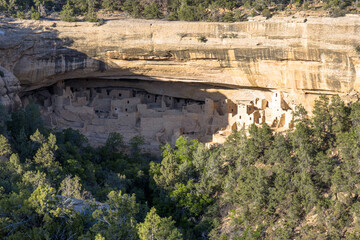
pixel 241 62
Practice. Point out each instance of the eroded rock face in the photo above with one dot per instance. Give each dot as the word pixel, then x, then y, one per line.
pixel 9 89
pixel 243 62
pixel 280 53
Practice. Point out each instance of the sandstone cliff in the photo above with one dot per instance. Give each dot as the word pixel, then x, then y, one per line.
pixel 9 89
pixel 237 61
pixel 280 53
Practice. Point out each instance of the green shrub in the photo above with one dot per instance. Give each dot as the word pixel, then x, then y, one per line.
pixel 253 13
pixel 247 5
pixel 152 11
pixel 2 74
pixel 172 16
pixel 202 39
pixel 306 6
pixel 266 13
pixel 239 16
pixel 357 49
pixel 132 7
pixel 100 22
pixel 111 5
pixel 337 12
pixel 67 13
pixel 35 15
pixel 233 35
pixel 228 17
pixel 191 13
pixel 186 13
pixel 20 14
pixel 223 36
pixel 298 4
pixel 91 16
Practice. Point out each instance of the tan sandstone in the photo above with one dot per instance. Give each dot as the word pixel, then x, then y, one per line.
pixel 243 62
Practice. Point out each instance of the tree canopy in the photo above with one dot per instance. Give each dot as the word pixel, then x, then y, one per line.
pixel 302 184
pixel 187 10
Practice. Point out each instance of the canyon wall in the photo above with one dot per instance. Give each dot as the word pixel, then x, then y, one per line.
pixel 318 54
pixel 296 57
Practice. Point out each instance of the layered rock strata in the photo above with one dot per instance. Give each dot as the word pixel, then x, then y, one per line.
pixel 9 89
pixel 246 63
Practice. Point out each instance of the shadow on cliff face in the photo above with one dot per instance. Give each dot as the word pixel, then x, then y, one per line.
pixel 34 53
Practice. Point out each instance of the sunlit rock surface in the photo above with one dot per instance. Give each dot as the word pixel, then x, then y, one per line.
pixel 242 62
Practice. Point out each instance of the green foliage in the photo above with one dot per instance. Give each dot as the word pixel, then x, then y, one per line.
pixel 71 187
pixel 302 184
pixel 5 148
pixel 156 227
pixel 111 4
pixel 83 6
pixel 21 125
pixel 67 13
pixel 176 165
pixel 45 155
pixel 117 222
pixel 185 10
pixel 114 142
pixel 357 49
pixel 266 13
pixel 228 17
pixel 42 199
pixel 202 39
pixel 34 179
pixel 186 196
pixel 132 7
pixel 91 16
pixel 21 15
pixel 337 12
pixel 99 237
pixel 35 15
pixel 152 11
pixel 259 142
pixel 100 22
pixel 329 119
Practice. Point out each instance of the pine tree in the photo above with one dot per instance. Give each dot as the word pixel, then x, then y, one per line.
pixel 155 227
pixel 67 13
pixel 5 148
pixel 45 155
pixel 152 11
pixel 91 14
pixel 118 220
pixel 71 187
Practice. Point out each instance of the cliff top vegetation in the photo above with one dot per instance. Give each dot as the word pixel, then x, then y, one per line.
pixel 187 10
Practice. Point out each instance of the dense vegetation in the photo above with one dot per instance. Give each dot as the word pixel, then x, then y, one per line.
pixel 188 10
pixel 303 184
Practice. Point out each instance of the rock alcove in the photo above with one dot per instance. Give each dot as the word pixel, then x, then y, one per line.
pixel 159 111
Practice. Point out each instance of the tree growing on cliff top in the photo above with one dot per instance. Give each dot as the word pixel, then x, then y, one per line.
pixel 67 13
pixel 152 11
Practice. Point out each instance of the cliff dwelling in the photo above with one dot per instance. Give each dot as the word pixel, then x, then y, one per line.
pixel 156 79
pixel 97 107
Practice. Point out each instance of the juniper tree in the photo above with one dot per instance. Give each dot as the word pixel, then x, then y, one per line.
pixel 155 228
